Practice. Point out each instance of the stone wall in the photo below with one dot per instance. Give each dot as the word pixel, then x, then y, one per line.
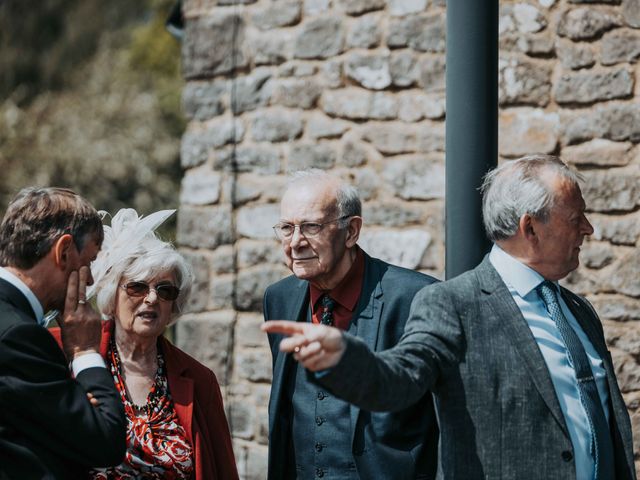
pixel 357 87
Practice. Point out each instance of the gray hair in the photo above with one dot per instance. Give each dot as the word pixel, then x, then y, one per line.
pixel 151 258
pixel 348 202
pixel 520 187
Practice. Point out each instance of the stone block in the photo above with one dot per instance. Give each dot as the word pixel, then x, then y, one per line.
pixel 296 92
pixel 612 190
pixel 416 177
pixel 521 18
pixel 525 130
pixel 276 125
pixel 241 419
pixel 404 248
pixel 358 7
pixel 424 33
pixel 258 252
pixel 365 31
pixel 221 290
pixel 523 82
pixel 297 68
pixel 533 44
pixel 206 227
pixel 596 255
pixel 252 91
pixel 575 55
pixel 625 278
pixel 197 142
pixel 620 230
pixel 586 23
pixel 598 152
pixel 616 307
pixel 258 158
pixel 369 70
pixel 262 426
pixel 631 12
pixel 277 14
pixel 312 7
pixel 320 126
pixel 391 138
pixel 367 181
pixel 358 104
pixel 400 8
pixel 208 337
pixel 583 282
pixel 316 155
pixel 332 73
pixel 404 68
pixel 200 186
pixel 627 371
pixel 256 221
pixel 620 46
pixel 254 364
pixel 391 214
pixel 251 284
pixel 271 48
pixel 204 100
pixel 320 38
pixel 431 137
pixel 208 44
pixel 432 74
pixel 222 260
pixel 414 106
pixel 590 87
pixel 355 153
pixel 199 291
pixel 258 186
pixel 257 460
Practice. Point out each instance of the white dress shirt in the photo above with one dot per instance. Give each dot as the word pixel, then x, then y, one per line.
pixel 79 363
pixel 522 282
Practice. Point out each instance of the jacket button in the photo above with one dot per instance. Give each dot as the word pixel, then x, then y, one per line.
pixel 319 447
pixel 567 456
pixel 319 472
pixel 321 395
pixel 319 421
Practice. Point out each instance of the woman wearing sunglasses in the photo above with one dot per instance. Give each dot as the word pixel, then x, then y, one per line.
pixel 176 423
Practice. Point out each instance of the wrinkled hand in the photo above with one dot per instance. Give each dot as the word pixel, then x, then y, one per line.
pixel 80 326
pixel 316 347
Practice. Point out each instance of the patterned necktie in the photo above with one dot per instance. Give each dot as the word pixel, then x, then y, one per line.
pixel 328 304
pixel 601 446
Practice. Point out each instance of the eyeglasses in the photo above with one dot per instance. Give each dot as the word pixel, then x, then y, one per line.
pixel 165 291
pixel 284 231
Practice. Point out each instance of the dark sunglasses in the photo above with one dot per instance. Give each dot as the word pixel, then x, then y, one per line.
pixel 165 291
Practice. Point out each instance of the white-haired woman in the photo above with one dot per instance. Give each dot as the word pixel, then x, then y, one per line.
pixel 176 423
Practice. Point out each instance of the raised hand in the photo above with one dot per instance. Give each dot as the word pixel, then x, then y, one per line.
pixel 80 325
pixel 316 347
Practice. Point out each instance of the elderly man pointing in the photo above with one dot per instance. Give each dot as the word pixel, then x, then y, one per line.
pixel 523 381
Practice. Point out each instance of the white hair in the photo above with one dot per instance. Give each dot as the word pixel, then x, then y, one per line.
pixel 520 187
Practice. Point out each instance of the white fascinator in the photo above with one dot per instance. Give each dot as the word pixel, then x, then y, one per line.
pixel 122 240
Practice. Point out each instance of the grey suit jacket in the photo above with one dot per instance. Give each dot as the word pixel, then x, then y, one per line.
pixel 499 416
pixel 394 446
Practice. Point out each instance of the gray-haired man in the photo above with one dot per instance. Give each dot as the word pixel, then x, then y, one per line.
pixel 523 381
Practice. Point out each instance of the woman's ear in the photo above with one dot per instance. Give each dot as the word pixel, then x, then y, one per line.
pixel 61 250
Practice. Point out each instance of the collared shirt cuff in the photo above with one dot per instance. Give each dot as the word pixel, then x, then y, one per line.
pixel 88 360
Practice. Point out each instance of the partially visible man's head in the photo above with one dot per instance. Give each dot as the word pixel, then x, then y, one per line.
pixel 320 220
pixel 37 217
pixel 536 201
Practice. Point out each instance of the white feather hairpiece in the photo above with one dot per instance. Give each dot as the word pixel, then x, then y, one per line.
pixel 121 240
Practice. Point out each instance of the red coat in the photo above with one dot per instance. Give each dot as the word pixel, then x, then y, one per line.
pixel 198 403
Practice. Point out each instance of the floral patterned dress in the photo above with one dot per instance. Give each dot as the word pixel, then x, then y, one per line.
pixel 157 445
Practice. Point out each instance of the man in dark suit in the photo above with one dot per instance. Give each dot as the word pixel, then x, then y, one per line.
pixel 522 378
pixel 52 425
pixel 313 434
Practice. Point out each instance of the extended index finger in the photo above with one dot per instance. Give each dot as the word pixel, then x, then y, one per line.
pixel 284 327
pixel 72 290
pixel 83 279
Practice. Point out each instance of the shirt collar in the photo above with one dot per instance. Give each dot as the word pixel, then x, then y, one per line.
pixel 514 273
pixel 26 291
pixel 347 292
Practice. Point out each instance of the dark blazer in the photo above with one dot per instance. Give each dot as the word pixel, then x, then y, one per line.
pixel 198 403
pixel 48 428
pixel 468 342
pixel 400 445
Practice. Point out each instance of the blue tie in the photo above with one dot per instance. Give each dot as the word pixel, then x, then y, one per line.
pixel 601 446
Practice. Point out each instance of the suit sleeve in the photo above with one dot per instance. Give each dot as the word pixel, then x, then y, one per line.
pixel 40 400
pixel 395 379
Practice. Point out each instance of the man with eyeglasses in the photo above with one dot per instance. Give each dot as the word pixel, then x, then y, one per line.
pixel 313 434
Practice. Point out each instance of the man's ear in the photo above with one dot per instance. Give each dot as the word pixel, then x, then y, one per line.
pixel 353 231
pixel 527 228
pixel 61 250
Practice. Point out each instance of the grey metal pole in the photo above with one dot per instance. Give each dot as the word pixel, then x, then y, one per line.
pixel 471 126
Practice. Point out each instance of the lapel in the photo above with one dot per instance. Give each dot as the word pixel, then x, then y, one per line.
pixel 367 319
pixel 181 388
pixel 13 296
pixel 499 299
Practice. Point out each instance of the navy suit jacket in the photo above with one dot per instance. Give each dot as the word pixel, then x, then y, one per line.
pixel 48 428
pixel 399 445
